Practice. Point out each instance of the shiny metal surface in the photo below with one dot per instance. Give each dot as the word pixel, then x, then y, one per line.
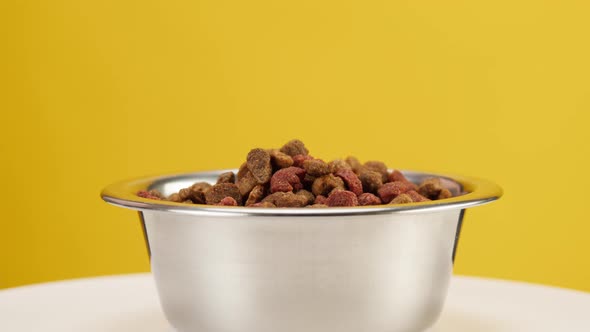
pixel 343 269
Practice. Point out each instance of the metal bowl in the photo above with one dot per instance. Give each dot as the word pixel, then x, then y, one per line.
pixel 235 269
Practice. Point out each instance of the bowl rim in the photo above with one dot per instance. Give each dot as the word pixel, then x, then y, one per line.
pixel 123 194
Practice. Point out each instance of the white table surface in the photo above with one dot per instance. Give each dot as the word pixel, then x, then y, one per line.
pixel 130 303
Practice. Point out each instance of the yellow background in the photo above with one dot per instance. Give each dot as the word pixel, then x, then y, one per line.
pixel 98 91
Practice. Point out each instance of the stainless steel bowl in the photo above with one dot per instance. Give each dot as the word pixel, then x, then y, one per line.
pixel 361 269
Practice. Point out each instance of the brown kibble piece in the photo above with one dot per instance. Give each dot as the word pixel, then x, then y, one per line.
pixel 355 164
pixel 219 191
pixel 184 194
pixel 200 186
pixel 280 160
pixel 338 164
pixel 445 193
pixel 263 205
pixel 174 198
pixel 286 199
pixel 196 192
pixel 390 190
pixel 228 201
pixel 308 180
pixel 294 147
pixel 369 199
pixel 196 196
pixel 187 194
pixel 371 181
pixel 430 188
pixel 402 199
pixel 308 195
pixel 320 199
pixel 242 171
pixel 352 180
pixel 299 159
pixel 246 183
pixel 316 167
pixel 379 167
pixel 227 177
pixel 256 195
pixel 325 184
pixel 287 179
pixel 342 198
pixel 397 176
pixel 258 162
pixel 416 197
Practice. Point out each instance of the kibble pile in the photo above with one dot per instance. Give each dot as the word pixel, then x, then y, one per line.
pixel 290 177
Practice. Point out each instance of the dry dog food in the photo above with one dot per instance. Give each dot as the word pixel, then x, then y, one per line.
pixel 290 177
